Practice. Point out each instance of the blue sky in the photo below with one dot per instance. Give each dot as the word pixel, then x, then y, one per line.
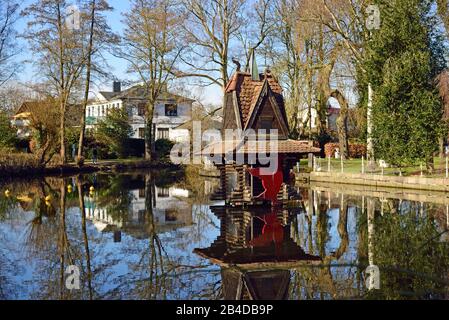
pixel 210 95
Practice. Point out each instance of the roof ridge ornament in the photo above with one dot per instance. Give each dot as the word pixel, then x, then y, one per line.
pixel 253 69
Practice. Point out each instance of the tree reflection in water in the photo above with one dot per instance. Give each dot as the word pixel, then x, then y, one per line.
pixel 133 237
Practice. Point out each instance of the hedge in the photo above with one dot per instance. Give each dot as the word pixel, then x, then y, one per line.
pixel 356 150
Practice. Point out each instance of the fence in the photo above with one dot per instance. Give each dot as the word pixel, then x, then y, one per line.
pixel 361 166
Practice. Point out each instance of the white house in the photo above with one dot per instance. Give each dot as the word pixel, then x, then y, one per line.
pixel 332 115
pixel 171 111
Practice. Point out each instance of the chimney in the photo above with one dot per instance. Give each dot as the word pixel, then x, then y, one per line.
pixel 117 86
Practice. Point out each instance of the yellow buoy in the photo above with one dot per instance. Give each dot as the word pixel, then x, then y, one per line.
pixel 69 189
pixel 7 193
pixel 24 199
pixel 48 198
pixel 92 189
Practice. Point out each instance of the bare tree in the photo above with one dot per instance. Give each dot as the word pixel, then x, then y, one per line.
pixel 258 26
pixel 9 10
pixel 58 47
pixel 12 95
pixel 210 29
pixel 152 48
pixel 98 36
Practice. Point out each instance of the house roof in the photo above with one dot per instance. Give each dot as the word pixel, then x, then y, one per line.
pixel 248 92
pixel 139 92
pixel 73 113
pixel 109 95
pixel 252 147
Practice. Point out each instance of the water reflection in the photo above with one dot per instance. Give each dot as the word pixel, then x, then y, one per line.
pixel 154 235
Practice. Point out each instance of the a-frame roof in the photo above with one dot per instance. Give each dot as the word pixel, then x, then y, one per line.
pixel 248 94
pixel 266 98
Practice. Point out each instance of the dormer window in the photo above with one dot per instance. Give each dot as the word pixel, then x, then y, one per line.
pixel 171 110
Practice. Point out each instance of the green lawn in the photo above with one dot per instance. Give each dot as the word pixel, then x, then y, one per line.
pixel 355 166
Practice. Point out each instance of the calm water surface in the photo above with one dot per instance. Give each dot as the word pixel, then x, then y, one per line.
pixel 155 235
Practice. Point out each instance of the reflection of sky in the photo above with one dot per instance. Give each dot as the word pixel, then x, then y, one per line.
pixel 118 265
pixel 122 270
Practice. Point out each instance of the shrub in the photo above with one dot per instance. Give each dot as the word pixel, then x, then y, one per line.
pixel 356 150
pixel 8 135
pixel 163 148
pixel 15 162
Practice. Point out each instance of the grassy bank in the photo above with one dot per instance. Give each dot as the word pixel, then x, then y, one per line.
pixel 354 166
pixel 12 165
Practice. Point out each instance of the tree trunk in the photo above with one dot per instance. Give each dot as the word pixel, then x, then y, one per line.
pixel 342 124
pixel 63 92
pixel 149 138
pixel 323 85
pixel 369 120
pixel 87 87
pixel 62 152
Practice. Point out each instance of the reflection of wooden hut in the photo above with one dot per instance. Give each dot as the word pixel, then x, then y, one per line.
pixel 253 101
pixel 254 269
pixel 239 231
pixel 256 285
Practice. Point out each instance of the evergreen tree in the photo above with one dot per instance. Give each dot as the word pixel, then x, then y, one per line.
pixel 8 135
pixel 114 131
pixel 403 59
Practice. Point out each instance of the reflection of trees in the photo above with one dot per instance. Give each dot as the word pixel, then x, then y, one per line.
pixel 85 237
pixel 48 244
pixel 322 282
pixel 113 195
pixel 6 206
pixel 155 285
pixel 411 257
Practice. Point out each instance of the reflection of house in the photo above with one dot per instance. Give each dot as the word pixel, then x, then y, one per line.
pixel 100 218
pixel 170 208
pixel 170 112
pixel 170 211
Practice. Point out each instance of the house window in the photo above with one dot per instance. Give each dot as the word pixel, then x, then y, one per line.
pixel 171 110
pixel 142 133
pixel 163 133
pixel 163 192
pixel 102 110
pixel 88 112
pixel 141 109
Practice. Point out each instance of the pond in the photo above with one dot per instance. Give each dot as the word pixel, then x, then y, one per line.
pixel 156 235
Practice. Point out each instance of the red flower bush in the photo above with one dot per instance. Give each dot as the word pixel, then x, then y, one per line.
pixel 356 150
